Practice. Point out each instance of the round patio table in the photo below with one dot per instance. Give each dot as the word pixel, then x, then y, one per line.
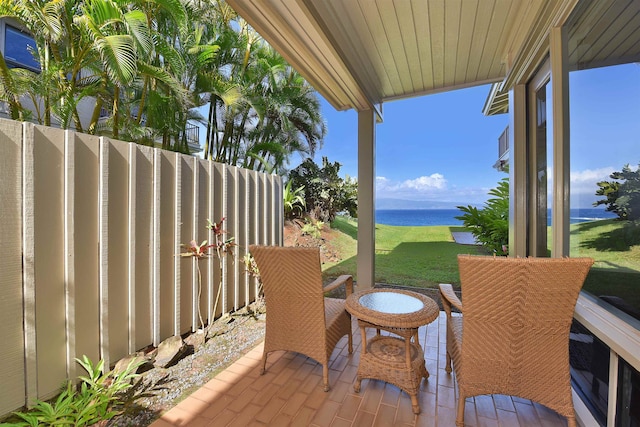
pixel 396 360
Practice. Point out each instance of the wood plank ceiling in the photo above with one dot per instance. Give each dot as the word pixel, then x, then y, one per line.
pixel 603 33
pixel 600 34
pixel 360 53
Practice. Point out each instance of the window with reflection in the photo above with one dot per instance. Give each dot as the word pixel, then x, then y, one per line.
pixel 604 96
pixel 19 49
pixel 604 105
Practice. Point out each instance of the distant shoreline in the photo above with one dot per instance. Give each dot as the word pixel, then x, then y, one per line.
pixel 446 217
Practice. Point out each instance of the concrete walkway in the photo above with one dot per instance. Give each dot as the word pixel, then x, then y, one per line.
pixel 464 238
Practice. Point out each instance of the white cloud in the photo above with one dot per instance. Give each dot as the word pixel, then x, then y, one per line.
pixel 433 181
pixel 584 185
pixel 416 188
pixel 436 188
pixel 433 188
pixel 591 176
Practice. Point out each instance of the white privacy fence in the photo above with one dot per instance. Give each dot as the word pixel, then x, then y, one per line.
pixel 89 232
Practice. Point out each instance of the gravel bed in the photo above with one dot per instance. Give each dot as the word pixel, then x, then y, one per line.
pixel 162 388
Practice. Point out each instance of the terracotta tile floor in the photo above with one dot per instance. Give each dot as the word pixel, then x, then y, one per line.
pixel 290 394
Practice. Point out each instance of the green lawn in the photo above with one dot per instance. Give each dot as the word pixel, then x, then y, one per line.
pixel 615 245
pixel 409 256
pixel 426 256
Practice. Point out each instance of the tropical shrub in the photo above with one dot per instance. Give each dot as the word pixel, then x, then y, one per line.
pixel 220 246
pixel 96 398
pixel 312 228
pixel 325 193
pixel 490 225
pixel 293 201
pixel 622 196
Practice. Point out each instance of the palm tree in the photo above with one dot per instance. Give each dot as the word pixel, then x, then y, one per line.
pixel 148 63
pixel 261 110
pixel 13 84
pixel 291 121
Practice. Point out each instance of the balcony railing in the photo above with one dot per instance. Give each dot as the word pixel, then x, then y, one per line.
pixel 606 380
pixel 503 150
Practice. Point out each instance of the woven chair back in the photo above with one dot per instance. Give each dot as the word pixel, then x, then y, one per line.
pixel 517 317
pixel 292 283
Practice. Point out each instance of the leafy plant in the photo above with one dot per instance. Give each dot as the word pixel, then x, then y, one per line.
pixel 293 201
pixel 252 268
pixel 490 226
pixel 312 228
pixel 95 399
pixel 325 192
pixel 622 196
pixel 201 251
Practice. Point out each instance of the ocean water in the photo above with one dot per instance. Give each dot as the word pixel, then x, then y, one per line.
pixel 447 216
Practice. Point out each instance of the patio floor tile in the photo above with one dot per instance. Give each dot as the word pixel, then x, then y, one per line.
pixel 290 393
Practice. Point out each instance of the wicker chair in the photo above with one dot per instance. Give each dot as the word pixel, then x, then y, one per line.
pixel 516 319
pixel 299 317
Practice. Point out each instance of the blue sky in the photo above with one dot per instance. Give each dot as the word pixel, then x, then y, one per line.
pixel 441 147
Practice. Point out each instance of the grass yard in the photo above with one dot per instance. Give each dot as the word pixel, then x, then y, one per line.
pixel 425 256
pixel 615 246
pixel 408 256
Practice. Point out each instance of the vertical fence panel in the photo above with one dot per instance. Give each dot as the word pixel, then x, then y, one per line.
pixel 114 229
pixel 141 256
pixel 242 295
pixel 85 241
pixel 269 208
pixel 231 294
pixel 184 227
pixel 177 239
pixel 28 263
pixel 201 208
pixel 195 299
pixel 252 223
pixel 212 262
pixel 47 190
pixel 262 212
pixel 165 242
pixel 278 214
pixel 69 248
pixel 12 368
pixel 220 211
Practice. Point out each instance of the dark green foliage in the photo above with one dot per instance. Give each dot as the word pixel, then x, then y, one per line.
pixel 95 399
pixel 294 202
pixel 490 225
pixel 325 193
pixel 622 196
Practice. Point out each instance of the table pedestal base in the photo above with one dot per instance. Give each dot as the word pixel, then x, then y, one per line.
pixel 385 358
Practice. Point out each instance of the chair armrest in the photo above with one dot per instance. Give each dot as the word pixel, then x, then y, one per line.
pixel 449 298
pixel 345 279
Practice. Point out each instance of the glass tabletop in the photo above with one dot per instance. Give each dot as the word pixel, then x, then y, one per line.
pixel 390 302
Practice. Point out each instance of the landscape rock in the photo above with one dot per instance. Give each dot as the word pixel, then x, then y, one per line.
pixel 144 362
pixel 195 339
pixel 169 352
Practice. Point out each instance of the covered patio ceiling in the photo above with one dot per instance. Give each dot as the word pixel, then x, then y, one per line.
pixel 360 53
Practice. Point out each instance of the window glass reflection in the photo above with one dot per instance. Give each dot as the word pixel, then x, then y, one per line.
pixel 18 49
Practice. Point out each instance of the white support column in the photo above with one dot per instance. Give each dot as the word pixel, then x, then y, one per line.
pixel 518 171
pixel 561 166
pixel 366 199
